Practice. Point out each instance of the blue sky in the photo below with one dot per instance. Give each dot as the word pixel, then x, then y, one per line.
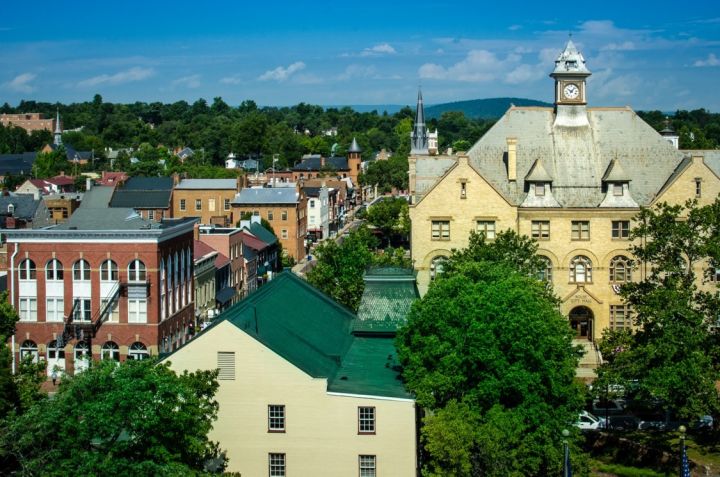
pixel 649 55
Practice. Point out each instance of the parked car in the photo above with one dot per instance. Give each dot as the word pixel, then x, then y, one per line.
pixel 610 406
pixel 623 423
pixel 587 422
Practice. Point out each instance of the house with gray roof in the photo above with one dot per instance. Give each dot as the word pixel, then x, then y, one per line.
pixel 151 197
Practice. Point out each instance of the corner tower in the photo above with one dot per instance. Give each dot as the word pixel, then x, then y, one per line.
pixel 57 141
pixel 570 76
pixel 354 160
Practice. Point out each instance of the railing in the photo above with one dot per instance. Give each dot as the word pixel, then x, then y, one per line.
pixel 105 311
pixel 76 328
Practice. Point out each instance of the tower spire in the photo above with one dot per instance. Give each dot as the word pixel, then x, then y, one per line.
pixel 419 135
pixel 58 130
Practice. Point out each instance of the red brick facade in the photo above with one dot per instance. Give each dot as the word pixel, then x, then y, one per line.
pixel 169 317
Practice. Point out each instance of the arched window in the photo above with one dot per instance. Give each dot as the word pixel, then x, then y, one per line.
pixel 29 349
pixel 109 271
pixel 138 351
pixel 437 266
pixel 81 356
pixel 27 270
pixel 544 273
pixel 136 271
pixel 54 270
pixel 81 270
pixel 620 269
pixel 580 270
pixel 53 352
pixel 110 351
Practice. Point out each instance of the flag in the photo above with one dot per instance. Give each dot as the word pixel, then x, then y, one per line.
pixel 568 465
pixel 685 466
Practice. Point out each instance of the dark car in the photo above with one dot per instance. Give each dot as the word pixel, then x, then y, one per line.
pixel 623 423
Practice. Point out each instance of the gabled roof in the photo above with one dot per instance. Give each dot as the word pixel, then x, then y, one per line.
pixel 201 249
pixel 144 193
pixel 538 173
pixel 296 321
pixel 62 180
pixel 214 184
pixel 24 205
pixel 221 260
pixel 389 293
pixel 253 242
pixel 262 233
pixel 269 195
pixel 616 173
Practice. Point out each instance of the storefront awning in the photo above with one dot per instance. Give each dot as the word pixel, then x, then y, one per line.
pixel 225 295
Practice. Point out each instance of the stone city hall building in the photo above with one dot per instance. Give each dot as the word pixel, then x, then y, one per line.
pixel 107 284
pixel 572 177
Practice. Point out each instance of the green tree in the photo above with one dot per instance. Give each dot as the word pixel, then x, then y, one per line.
pixel 671 354
pixel 340 268
pixel 490 357
pixel 50 164
pixel 138 418
pixel 391 216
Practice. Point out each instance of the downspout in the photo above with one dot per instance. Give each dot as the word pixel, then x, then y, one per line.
pixel 12 299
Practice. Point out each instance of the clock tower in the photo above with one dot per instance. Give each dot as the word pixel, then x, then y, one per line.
pixel 570 76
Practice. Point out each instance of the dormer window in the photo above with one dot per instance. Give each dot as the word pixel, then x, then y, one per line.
pixel 11 209
pixel 617 190
pixel 540 189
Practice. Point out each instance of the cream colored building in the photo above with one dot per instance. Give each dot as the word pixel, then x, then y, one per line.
pixel 299 393
pixel 573 177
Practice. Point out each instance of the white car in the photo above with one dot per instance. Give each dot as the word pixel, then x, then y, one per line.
pixel 587 421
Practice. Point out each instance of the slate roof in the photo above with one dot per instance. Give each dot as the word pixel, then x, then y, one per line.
pixel 201 249
pixel 313 332
pixel 313 163
pixel 25 205
pixel 269 195
pixel 215 184
pixel 575 157
pixel 389 293
pixel 17 164
pixel 144 193
pixel 312 191
pixel 221 260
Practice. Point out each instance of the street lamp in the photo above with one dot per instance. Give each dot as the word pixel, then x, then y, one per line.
pixel 567 469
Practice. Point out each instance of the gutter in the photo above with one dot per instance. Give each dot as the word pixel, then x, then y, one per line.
pixel 12 298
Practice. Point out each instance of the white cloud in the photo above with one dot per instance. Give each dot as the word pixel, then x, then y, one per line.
pixel 711 60
pixel 191 82
pixel 525 73
pixel 127 76
pixel 21 83
pixel 235 79
pixel 282 74
pixel 379 49
pixel 478 65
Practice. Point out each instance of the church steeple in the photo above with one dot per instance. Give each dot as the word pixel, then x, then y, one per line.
pixel 570 76
pixel 58 130
pixel 419 135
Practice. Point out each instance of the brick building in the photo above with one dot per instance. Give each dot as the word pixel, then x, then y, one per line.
pixel 229 243
pixel 285 208
pixel 28 121
pixel 106 283
pixel 151 197
pixel 208 199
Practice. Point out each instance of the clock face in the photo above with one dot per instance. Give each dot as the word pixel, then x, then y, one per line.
pixel 571 91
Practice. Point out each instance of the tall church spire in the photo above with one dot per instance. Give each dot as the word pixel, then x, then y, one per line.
pixel 58 130
pixel 419 135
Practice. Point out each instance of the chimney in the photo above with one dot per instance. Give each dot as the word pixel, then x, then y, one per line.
pixel 239 183
pixel 176 179
pixel 322 162
pixel 196 232
pixel 88 184
pixel 512 158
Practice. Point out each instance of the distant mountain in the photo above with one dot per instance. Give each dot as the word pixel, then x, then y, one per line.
pixel 489 108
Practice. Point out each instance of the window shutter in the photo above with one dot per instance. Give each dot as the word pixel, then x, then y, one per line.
pixel 226 364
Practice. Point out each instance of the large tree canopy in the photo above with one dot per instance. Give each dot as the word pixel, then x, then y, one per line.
pixel 671 355
pixel 135 418
pixel 487 352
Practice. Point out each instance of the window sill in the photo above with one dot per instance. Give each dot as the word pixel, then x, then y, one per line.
pixel 580 283
pixel 440 239
pixel 361 433
pixel 276 431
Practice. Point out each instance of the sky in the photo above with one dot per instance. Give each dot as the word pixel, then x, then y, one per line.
pixel 646 54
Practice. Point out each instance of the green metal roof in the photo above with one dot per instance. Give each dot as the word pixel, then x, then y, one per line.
pixel 314 333
pixel 298 322
pixel 389 294
pixel 262 233
pixel 370 368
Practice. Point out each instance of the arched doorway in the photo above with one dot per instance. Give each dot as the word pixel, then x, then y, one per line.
pixel 581 319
